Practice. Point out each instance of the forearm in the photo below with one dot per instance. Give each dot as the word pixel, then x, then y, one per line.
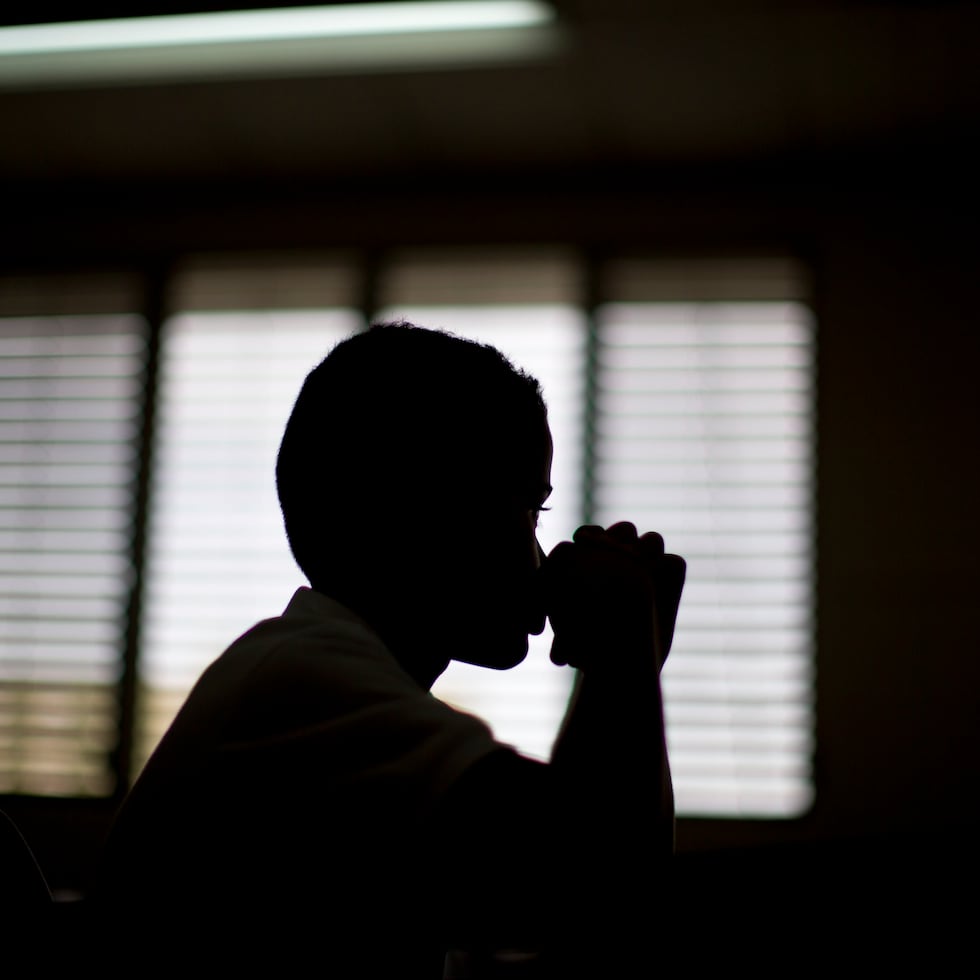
pixel 564 856
pixel 611 758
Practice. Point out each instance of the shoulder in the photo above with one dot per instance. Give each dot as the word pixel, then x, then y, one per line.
pixel 318 680
pixel 316 642
pixel 310 621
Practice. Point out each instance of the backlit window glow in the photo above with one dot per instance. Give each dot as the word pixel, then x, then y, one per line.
pixel 705 433
pixel 218 556
pixel 526 705
pixel 684 402
pixel 68 396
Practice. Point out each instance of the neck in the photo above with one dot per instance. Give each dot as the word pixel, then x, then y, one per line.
pixel 409 639
pixel 416 650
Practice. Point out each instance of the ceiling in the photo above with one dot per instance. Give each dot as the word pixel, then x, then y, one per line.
pixel 632 85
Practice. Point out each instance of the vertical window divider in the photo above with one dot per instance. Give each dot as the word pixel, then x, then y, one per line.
pixel 155 311
pixel 591 288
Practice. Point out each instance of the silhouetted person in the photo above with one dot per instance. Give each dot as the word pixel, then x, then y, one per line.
pixel 313 803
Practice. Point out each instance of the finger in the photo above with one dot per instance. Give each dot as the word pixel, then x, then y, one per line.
pixel 620 537
pixel 669 578
pixel 560 551
pixel 588 532
pixel 651 546
pixel 672 570
pixel 623 531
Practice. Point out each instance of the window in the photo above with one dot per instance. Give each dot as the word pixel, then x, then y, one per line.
pixel 680 396
pixel 233 356
pixel 524 304
pixel 704 431
pixel 70 390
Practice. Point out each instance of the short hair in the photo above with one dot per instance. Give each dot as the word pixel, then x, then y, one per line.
pixel 392 417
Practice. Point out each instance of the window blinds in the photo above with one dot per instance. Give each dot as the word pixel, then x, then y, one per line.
pixel 244 334
pixel 684 401
pixel 524 706
pixel 524 303
pixel 218 559
pixel 69 405
pixel 705 432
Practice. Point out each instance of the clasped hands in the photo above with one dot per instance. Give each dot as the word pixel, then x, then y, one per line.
pixel 611 594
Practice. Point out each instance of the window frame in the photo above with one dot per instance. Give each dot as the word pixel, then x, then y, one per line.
pixel 156 304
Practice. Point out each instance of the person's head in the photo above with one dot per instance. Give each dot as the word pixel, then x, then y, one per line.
pixel 410 475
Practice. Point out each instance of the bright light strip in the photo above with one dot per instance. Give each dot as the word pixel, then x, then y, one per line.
pixel 292 23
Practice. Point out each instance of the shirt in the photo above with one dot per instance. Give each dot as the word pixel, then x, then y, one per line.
pixel 293 799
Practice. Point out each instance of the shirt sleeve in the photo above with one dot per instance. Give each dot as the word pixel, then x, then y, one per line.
pixel 334 703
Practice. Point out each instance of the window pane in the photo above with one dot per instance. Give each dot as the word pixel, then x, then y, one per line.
pixel 705 433
pixel 524 706
pixel 69 403
pixel 218 556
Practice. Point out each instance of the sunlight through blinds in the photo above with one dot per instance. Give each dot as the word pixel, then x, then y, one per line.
pixel 705 432
pixel 231 366
pixel 218 560
pixel 521 305
pixel 69 404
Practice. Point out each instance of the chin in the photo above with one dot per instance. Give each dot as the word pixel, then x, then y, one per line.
pixel 501 656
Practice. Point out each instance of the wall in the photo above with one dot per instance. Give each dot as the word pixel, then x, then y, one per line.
pixel 898 672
